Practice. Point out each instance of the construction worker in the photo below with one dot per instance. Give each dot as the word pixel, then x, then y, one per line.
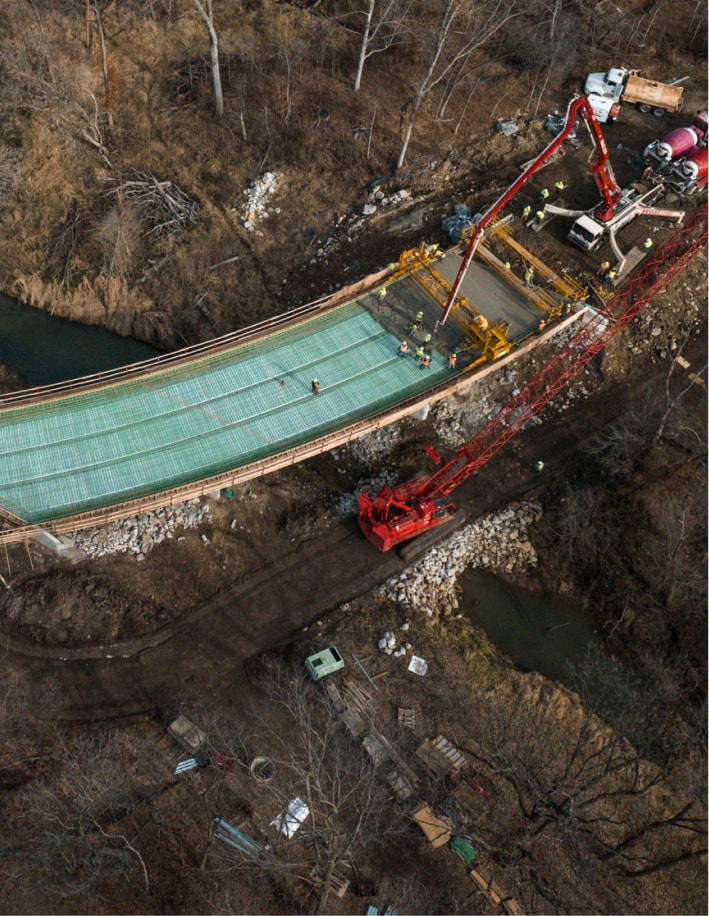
pixel 544 193
pixel 604 268
pixel 427 339
pixel 647 244
pixel 403 348
pixel 315 386
pixel 528 276
pixel 507 265
pixel 540 214
pixel 419 352
pixel 382 293
pixel 540 327
pixel 568 306
pixel 526 212
pixel 610 276
pixel 539 467
pixel 452 360
pixel 425 361
pixel 419 319
pixel 559 185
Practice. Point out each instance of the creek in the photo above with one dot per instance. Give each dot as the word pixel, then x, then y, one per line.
pixel 538 631
pixel 41 349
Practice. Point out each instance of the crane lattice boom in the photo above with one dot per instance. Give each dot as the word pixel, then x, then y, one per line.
pixel 399 513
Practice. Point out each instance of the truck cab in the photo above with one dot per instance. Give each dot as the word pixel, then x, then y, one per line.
pixel 609 85
pixel 586 232
pixel 604 108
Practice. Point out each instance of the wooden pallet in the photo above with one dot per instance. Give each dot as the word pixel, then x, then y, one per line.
pixel 406 717
pixel 449 751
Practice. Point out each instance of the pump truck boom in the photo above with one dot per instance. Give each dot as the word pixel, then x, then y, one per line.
pixel 599 166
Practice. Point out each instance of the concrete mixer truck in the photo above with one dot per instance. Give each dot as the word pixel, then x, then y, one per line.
pixel 677 144
pixel 689 175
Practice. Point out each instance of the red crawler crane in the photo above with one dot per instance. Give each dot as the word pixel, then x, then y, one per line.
pixel 402 512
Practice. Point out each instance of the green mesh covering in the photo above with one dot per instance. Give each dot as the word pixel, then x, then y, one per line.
pixel 97 448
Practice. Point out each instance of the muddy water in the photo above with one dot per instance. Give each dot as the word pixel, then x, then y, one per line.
pixel 539 632
pixel 41 349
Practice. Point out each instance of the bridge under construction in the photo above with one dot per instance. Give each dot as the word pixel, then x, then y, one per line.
pixel 210 416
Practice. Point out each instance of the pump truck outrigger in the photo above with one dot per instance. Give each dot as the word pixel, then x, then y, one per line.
pixel 398 513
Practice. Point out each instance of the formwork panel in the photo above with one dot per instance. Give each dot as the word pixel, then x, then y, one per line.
pixel 95 448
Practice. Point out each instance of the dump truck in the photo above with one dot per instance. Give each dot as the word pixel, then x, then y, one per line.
pixel 606 91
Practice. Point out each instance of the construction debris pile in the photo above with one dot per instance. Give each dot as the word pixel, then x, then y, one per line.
pixel 497 542
pixel 140 533
pixel 255 207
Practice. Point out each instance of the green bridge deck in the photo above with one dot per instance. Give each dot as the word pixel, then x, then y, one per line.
pixel 96 448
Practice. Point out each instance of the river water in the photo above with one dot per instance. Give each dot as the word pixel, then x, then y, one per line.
pixel 538 631
pixel 41 349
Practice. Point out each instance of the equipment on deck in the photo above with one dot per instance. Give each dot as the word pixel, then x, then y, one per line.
pixel 398 513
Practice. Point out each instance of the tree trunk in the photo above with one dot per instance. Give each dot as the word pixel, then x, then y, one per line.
pixel 206 13
pixel 104 62
pixel 405 145
pixel 363 46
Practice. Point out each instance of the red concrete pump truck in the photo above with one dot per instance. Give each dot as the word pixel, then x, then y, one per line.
pixel 399 513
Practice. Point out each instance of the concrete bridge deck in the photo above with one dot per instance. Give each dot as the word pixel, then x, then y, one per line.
pixel 79 452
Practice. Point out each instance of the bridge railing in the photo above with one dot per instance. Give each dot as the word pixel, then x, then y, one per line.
pixel 164 360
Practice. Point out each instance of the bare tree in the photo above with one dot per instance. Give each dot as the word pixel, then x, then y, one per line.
pixel 672 402
pixel 204 8
pixel 462 27
pixel 70 817
pixel 314 760
pixel 584 796
pixel 385 21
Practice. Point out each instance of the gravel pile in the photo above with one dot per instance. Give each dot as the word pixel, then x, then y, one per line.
pixel 255 207
pixel 140 533
pixel 498 542
pixel 347 503
pixel 372 447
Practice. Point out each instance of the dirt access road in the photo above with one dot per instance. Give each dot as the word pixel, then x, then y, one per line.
pixel 205 652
